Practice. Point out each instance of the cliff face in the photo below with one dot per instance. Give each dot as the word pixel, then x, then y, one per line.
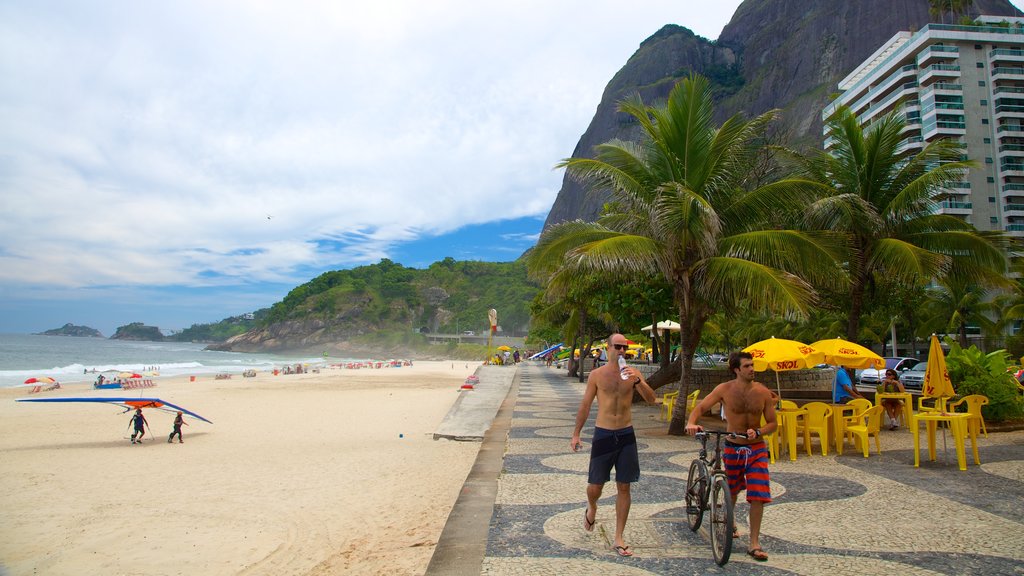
pixel 785 54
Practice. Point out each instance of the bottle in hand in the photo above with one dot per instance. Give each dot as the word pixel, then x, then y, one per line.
pixel 622 368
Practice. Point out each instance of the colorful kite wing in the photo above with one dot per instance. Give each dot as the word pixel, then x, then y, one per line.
pixel 127 403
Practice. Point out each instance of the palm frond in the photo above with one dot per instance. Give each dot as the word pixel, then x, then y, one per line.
pixel 728 279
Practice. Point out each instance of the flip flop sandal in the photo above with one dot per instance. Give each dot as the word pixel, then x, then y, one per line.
pixel 758 554
pixel 623 551
pixel 587 524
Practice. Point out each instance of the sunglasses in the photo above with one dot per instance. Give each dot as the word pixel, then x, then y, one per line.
pixel 620 346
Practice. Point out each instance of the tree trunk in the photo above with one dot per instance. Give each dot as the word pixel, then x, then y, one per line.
pixel 666 375
pixel 690 328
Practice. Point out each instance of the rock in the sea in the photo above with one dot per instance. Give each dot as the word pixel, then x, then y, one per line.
pixel 72 330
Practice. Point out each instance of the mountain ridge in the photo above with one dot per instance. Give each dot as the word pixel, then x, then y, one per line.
pixel 787 54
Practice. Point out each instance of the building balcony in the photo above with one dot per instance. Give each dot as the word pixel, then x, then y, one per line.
pixel 937 52
pixel 1013 210
pixel 958 208
pixel 1016 230
pixel 905 73
pixel 1010 129
pixel 867 112
pixel 1007 74
pixel 913 143
pixel 1001 55
pixel 1011 150
pixel 1012 187
pixel 938 72
pixel 998 90
pixel 1008 170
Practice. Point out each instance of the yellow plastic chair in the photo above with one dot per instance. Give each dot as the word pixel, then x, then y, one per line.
pixel 974 403
pixel 818 420
pixel 668 402
pixel 861 404
pixel 772 440
pixel 787 405
pixel 865 425
pixel 937 404
pixel 691 400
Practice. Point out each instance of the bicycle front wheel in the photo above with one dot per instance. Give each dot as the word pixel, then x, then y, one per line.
pixel 696 493
pixel 721 519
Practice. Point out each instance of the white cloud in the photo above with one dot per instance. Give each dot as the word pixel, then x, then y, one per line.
pixel 146 144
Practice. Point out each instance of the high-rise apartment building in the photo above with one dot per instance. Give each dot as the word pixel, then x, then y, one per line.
pixel 961 82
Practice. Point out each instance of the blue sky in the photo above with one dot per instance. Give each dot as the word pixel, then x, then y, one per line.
pixel 179 163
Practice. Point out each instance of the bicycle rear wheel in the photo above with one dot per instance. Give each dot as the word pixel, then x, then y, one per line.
pixel 721 519
pixel 696 493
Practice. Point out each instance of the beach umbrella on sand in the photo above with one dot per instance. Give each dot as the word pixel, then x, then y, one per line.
pixel 40 380
pixel 129 375
pixel 936 378
pixel 504 348
pixel 778 354
pixel 839 352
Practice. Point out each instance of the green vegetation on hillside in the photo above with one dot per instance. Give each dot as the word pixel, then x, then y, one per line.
pixel 220 331
pixel 448 297
pixel 138 331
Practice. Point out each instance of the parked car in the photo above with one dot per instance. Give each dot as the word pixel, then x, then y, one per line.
pixel 913 378
pixel 468 333
pixel 871 377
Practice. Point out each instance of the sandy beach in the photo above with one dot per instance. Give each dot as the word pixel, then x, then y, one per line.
pixel 329 473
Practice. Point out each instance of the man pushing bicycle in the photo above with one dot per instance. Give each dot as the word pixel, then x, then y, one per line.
pixel 746 459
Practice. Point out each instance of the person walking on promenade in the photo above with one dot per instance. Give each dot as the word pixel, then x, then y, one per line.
pixel 139 421
pixel 745 459
pixel 614 443
pixel 178 421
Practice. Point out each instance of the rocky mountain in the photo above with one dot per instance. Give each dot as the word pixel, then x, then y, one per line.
pixel 785 54
pixel 138 331
pixel 72 330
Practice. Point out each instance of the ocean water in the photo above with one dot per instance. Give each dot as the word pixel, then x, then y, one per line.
pixel 70 359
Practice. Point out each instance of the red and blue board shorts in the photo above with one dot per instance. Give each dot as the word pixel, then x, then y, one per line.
pixel 746 466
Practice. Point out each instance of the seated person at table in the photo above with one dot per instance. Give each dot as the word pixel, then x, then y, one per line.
pixel 843 389
pixel 892 405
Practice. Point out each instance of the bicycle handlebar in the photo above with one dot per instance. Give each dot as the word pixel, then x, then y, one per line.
pixel 698 435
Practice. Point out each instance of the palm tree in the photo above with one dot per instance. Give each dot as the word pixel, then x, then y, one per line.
pixel 680 209
pixel 883 201
pixel 955 303
pixel 938 8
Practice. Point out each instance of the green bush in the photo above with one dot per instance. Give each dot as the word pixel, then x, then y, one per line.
pixel 974 372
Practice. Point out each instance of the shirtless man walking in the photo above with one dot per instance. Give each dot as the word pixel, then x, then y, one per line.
pixel 614 442
pixel 745 459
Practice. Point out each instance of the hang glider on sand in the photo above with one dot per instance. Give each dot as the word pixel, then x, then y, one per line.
pixel 127 403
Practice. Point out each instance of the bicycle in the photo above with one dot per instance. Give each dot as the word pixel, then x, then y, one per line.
pixel 702 487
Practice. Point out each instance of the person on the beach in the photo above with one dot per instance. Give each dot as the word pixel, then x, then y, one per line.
pixel 746 458
pixel 614 443
pixel 893 406
pixel 139 421
pixel 843 389
pixel 178 421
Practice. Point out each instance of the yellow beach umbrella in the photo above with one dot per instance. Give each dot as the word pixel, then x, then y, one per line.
pixel 839 352
pixel 505 348
pixel 778 354
pixel 936 378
